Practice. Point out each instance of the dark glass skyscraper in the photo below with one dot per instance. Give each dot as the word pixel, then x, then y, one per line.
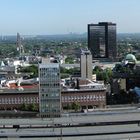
pixel 102 40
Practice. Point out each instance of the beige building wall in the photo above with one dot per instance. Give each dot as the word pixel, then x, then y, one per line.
pixel 86 66
pixel 123 84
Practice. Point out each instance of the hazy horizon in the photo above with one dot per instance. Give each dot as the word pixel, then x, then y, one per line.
pixel 52 17
pixel 56 34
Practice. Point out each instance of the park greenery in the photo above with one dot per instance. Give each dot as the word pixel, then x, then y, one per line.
pixel 31 70
pixel 8 50
pixel 65 73
pixel 126 43
pixel 69 60
pixel 29 107
pixel 74 106
pixel 103 74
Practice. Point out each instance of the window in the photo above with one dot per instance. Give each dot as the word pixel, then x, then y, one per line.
pixel 65 98
pixel 97 98
pixel 100 97
pixel 90 97
pixel 94 97
pixel 5 100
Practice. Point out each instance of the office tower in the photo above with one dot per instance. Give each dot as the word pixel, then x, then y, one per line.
pixel 102 40
pixel 86 64
pixel 49 90
pixel 20 48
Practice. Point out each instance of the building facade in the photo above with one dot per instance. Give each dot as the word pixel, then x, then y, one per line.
pixel 49 90
pixel 85 98
pixel 11 101
pixel 86 64
pixel 102 40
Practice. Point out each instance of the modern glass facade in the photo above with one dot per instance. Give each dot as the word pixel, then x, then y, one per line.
pixel 112 47
pixel 49 90
pixel 102 40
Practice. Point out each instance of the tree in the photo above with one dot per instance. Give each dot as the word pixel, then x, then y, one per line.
pixel 97 69
pixel 67 107
pixel 70 71
pixel 101 74
pixel 32 107
pixel 69 60
pixel 65 75
pixel 24 107
pixel 75 106
pixel 30 69
pixel 107 75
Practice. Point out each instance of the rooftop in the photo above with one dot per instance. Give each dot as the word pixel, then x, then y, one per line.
pixel 80 84
pixel 131 58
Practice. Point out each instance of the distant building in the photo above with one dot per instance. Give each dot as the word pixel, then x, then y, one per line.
pixel 86 64
pixel 130 59
pixel 102 40
pixel 126 74
pixel 49 90
pixel 19 45
pixel 36 51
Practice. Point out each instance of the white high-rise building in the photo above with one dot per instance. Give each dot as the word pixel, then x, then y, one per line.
pixel 49 90
pixel 86 64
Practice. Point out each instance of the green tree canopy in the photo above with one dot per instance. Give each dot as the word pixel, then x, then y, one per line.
pixel 75 106
pixel 30 69
pixel 32 107
pixel 69 60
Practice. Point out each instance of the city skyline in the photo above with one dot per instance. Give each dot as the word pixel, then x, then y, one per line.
pixel 31 17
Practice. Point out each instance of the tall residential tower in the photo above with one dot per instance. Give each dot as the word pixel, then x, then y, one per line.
pixel 102 40
pixel 86 64
pixel 49 90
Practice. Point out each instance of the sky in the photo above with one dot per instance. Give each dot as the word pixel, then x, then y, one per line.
pixel 32 17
